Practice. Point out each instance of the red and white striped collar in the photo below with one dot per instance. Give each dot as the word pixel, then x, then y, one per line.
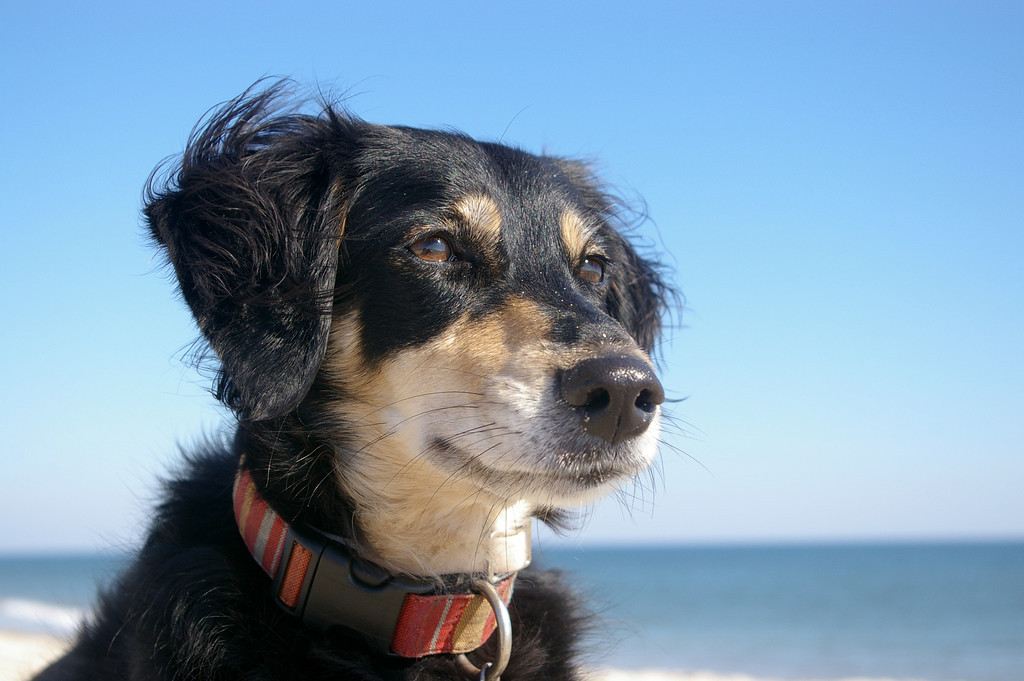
pixel 321 581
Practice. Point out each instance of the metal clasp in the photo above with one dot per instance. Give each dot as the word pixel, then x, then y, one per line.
pixel 491 671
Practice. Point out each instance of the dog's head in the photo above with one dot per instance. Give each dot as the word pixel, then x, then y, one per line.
pixel 464 317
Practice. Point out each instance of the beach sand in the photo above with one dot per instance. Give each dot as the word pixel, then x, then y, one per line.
pixel 21 655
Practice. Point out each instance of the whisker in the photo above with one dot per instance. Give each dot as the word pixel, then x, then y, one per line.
pixel 676 450
pixel 419 396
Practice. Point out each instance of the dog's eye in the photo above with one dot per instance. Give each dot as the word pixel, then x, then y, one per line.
pixel 592 269
pixel 432 249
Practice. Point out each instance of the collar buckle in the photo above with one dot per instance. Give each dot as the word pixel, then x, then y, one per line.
pixel 319 581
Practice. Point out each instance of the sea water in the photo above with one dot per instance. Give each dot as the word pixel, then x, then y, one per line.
pixel 51 593
pixel 940 612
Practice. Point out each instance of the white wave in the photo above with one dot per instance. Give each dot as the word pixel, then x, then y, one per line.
pixel 25 615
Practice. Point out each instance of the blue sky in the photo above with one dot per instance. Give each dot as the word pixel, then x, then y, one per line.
pixel 837 187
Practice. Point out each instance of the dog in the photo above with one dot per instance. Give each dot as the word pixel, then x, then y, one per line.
pixel 427 341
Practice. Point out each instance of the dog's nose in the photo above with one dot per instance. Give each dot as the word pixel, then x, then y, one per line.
pixel 615 396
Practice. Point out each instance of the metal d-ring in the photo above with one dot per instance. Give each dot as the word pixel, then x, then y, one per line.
pixel 491 671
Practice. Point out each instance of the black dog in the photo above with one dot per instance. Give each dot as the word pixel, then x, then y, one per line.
pixel 428 341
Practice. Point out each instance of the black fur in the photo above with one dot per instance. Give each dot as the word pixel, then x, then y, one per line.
pixel 275 224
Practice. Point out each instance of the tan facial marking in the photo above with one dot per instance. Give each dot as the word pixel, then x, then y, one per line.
pixel 498 339
pixel 576 233
pixel 481 215
pixel 418 518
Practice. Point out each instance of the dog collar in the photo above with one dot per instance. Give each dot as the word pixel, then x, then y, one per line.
pixel 321 581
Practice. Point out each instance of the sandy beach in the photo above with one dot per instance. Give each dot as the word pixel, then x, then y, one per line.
pixel 23 654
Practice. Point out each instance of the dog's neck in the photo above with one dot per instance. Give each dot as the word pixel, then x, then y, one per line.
pixel 319 579
pixel 479 537
pixel 504 551
pixel 423 525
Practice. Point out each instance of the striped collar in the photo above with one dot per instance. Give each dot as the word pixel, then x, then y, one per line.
pixel 321 581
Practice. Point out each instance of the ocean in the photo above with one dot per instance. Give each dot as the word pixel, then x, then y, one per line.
pixel 939 612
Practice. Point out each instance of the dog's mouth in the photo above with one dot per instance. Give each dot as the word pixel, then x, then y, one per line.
pixel 564 476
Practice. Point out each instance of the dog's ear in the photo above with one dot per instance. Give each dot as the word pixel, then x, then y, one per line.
pixel 251 223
